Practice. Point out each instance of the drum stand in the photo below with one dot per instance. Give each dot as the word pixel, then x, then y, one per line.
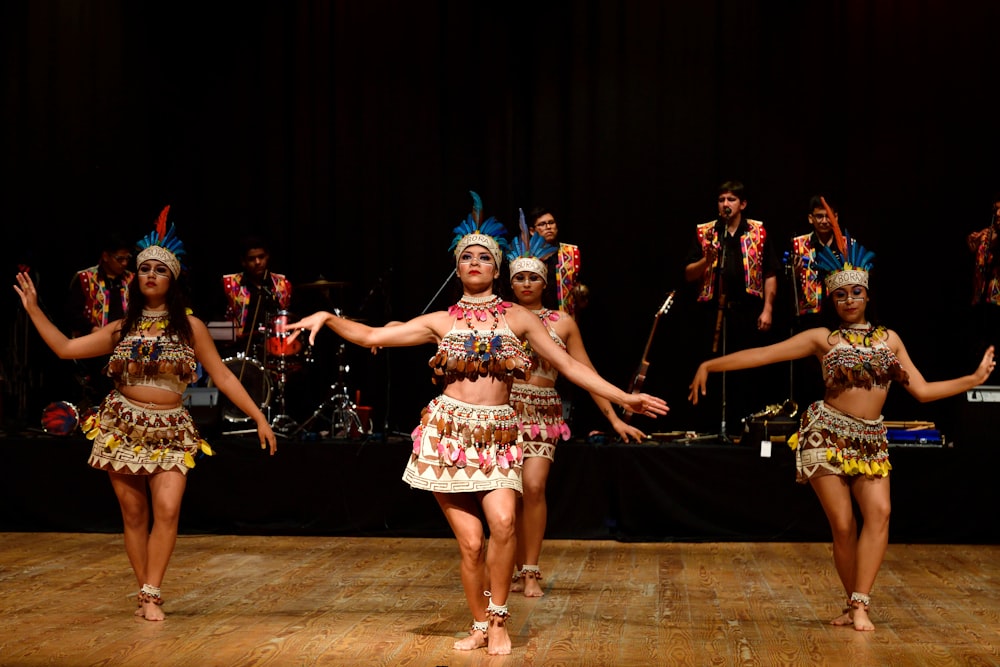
pixel 343 416
pixel 282 421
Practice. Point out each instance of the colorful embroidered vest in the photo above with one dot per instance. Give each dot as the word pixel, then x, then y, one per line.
pixel 567 277
pixel 987 280
pixel 238 296
pixel 810 283
pixel 97 296
pixel 752 244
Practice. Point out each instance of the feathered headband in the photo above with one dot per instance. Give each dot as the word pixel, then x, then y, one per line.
pixel 162 244
pixel 489 234
pixel 528 252
pixel 850 264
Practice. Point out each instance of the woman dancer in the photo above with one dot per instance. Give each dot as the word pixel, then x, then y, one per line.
pixel 465 448
pixel 143 436
pixel 841 447
pixel 539 407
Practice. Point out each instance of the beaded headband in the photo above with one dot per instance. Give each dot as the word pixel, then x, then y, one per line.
pixel 488 234
pixel 162 245
pixel 527 252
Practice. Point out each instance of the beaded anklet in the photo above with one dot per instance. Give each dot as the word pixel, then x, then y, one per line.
pixel 860 601
pixel 494 610
pixel 482 626
pixel 150 593
pixel 531 571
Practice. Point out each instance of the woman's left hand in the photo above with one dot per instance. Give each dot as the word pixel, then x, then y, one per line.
pixel 644 404
pixel 986 366
pixel 266 435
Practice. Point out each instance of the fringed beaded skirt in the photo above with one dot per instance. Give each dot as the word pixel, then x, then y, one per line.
pixel 133 440
pixel 459 448
pixel 830 442
pixel 540 419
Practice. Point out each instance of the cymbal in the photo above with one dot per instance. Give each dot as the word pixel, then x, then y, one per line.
pixel 323 283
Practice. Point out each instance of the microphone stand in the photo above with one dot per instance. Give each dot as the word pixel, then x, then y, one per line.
pixel 723 306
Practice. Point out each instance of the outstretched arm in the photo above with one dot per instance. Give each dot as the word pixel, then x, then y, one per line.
pixel 223 378
pixel 95 344
pixel 417 331
pixel 526 325
pixel 576 349
pixel 798 346
pixel 925 391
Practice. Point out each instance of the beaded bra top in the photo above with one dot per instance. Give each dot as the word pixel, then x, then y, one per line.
pixel 473 353
pixel 162 361
pixel 539 366
pixel 861 359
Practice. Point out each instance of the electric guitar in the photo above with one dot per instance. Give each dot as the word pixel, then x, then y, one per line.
pixel 635 386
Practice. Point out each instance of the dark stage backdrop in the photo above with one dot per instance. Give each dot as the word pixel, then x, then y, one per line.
pixel 351 132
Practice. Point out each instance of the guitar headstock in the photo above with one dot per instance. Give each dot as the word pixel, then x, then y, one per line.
pixel 665 308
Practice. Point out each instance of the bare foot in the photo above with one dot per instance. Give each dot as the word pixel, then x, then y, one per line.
pixel 844 619
pixel 498 641
pixel 861 621
pixel 151 612
pixel 532 589
pixel 476 639
pixel 517 583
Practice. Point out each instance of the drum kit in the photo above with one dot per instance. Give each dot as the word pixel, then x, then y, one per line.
pixel 269 358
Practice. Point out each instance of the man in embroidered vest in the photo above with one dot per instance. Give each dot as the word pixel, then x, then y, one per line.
pixel 986 280
pixel 257 293
pixel 808 285
pixel 565 291
pixel 98 295
pixel 734 267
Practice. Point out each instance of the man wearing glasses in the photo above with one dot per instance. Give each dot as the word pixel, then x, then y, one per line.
pixel 99 294
pixel 565 292
pixel 808 281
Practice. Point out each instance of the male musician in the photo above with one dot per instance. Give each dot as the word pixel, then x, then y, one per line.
pixel 256 293
pixel 564 291
pixel 808 281
pixel 986 280
pixel 734 265
pixel 98 295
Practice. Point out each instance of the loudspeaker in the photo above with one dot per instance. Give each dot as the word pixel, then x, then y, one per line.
pixel 205 408
pixel 979 417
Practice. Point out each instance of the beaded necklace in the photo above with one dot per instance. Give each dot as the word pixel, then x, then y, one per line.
pixel 479 307
pixel 546 314
pixel 149 318
pixel 861 334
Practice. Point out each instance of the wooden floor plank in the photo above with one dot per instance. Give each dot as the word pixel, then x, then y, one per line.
pixel 67 600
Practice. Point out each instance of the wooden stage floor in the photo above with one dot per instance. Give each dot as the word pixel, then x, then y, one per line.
pixel 67 599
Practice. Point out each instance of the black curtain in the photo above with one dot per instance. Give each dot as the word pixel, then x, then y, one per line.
pixel 350 133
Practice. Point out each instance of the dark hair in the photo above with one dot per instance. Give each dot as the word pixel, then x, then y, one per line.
pixel 734 187
pixel 115 241
pixel 177 309
pixel 536 213
pixel 248 243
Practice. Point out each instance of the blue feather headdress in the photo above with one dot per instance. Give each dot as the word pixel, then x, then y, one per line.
pixel 529 251
pixel 846 266
pixel 473 231
pixel 162 244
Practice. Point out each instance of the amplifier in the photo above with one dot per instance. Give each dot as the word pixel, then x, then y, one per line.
pixel 979 417
pixel 203 404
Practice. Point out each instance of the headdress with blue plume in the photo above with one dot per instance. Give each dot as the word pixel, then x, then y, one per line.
pixel 162 244
pixel 849 266
pixel 529 251
pixel 473 231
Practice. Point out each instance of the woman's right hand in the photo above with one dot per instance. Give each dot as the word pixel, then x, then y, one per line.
pixel 698 384
pixel 313 323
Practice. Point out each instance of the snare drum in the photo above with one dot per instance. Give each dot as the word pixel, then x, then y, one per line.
pixel 282 352
pixel 60 418
pixel 254 378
